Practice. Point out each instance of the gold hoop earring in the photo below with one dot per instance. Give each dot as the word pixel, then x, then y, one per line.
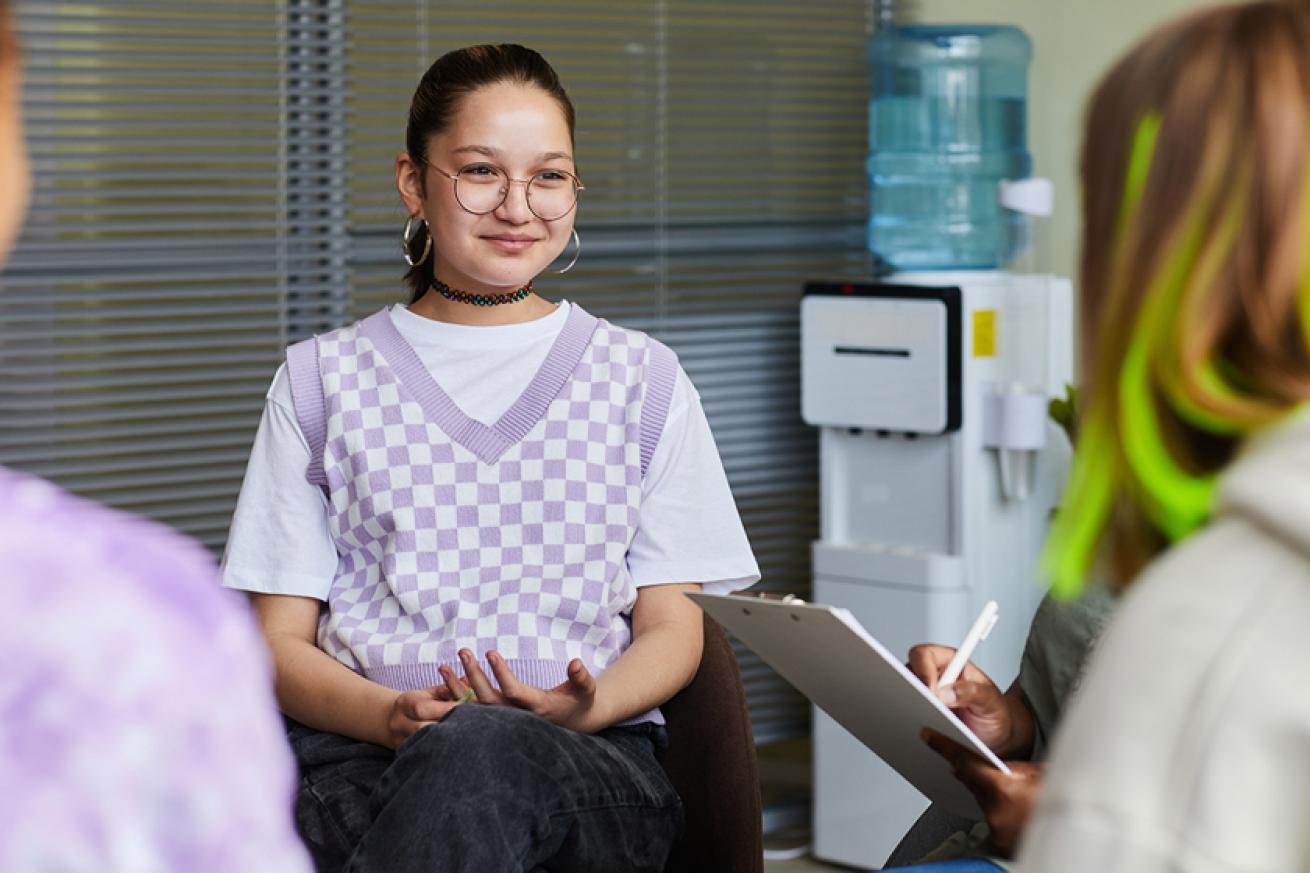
pixel 406 241
pixel 577 250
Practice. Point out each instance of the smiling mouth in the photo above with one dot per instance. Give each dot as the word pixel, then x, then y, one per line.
pixel 511 245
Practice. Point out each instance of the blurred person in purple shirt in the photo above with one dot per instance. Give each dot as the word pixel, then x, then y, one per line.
pixel 138 730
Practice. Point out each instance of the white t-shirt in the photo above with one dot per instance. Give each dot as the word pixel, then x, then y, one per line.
pixel 689 530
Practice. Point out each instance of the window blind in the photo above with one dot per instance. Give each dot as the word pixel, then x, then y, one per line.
pixel 143 307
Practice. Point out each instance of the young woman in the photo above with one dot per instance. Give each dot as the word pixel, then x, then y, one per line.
pixel 1188 745
pixel 138 732
pixel 470 524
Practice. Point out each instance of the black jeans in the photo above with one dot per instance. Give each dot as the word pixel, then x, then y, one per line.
pixel 490 789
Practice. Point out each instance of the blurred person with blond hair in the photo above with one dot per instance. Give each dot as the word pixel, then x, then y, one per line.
pixel 138 731
pixel 1187 746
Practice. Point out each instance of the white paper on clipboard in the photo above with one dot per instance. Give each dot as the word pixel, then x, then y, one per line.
pixel 842 669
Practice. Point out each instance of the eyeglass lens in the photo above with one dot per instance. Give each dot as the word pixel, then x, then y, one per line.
pixel 481 188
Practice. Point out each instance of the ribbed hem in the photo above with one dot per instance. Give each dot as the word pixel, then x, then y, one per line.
pixel 487 443
pixel 311 409
pixel 661 373
pixel 551 378
pixel 539 673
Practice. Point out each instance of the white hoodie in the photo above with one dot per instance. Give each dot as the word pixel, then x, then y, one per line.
pixel 1188 746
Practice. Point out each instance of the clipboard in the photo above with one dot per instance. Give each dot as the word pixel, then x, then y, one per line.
pixel 831 659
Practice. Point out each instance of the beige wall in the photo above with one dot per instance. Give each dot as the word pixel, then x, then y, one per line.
pixel 1074 43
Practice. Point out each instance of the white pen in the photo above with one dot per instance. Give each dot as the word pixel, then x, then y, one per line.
pixel 981 628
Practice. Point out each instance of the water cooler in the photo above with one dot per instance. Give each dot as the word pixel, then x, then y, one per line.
pixel 939 465
pixel 939 471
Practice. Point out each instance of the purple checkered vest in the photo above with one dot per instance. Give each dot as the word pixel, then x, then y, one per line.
pixel 451 533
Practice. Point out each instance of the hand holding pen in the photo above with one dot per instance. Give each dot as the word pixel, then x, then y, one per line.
pixel 1001 720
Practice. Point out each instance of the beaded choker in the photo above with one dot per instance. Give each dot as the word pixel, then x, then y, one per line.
pixel 480 299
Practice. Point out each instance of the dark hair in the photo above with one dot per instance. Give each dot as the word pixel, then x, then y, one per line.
pixel 453 76
pixel 6 36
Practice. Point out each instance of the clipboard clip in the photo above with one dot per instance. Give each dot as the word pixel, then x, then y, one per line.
pixel 767 595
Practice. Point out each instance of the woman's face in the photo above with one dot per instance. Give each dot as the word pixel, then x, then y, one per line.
pixel 14 181
pixel 521 130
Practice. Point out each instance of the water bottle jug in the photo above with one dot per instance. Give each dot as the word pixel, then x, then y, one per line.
pixel 947 124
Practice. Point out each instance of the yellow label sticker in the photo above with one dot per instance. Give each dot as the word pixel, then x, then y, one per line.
pixel 984 333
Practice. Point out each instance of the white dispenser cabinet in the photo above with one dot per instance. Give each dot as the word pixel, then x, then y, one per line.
pixel 939 470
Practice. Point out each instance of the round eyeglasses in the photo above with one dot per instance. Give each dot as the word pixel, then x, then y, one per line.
pixel 481 188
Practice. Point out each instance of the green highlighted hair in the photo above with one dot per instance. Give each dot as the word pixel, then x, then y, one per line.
pixel 1195 318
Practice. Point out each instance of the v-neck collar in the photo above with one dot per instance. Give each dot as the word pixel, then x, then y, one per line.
pixel 487 442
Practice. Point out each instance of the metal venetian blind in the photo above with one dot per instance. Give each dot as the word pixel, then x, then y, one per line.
pixel 766 135
pixel 147 302
pixel 722 144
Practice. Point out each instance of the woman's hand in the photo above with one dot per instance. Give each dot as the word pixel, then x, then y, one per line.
pixel 570 704
pixel 1001 721
pixel 664 654
pixel 1006 799
pixel 412 710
